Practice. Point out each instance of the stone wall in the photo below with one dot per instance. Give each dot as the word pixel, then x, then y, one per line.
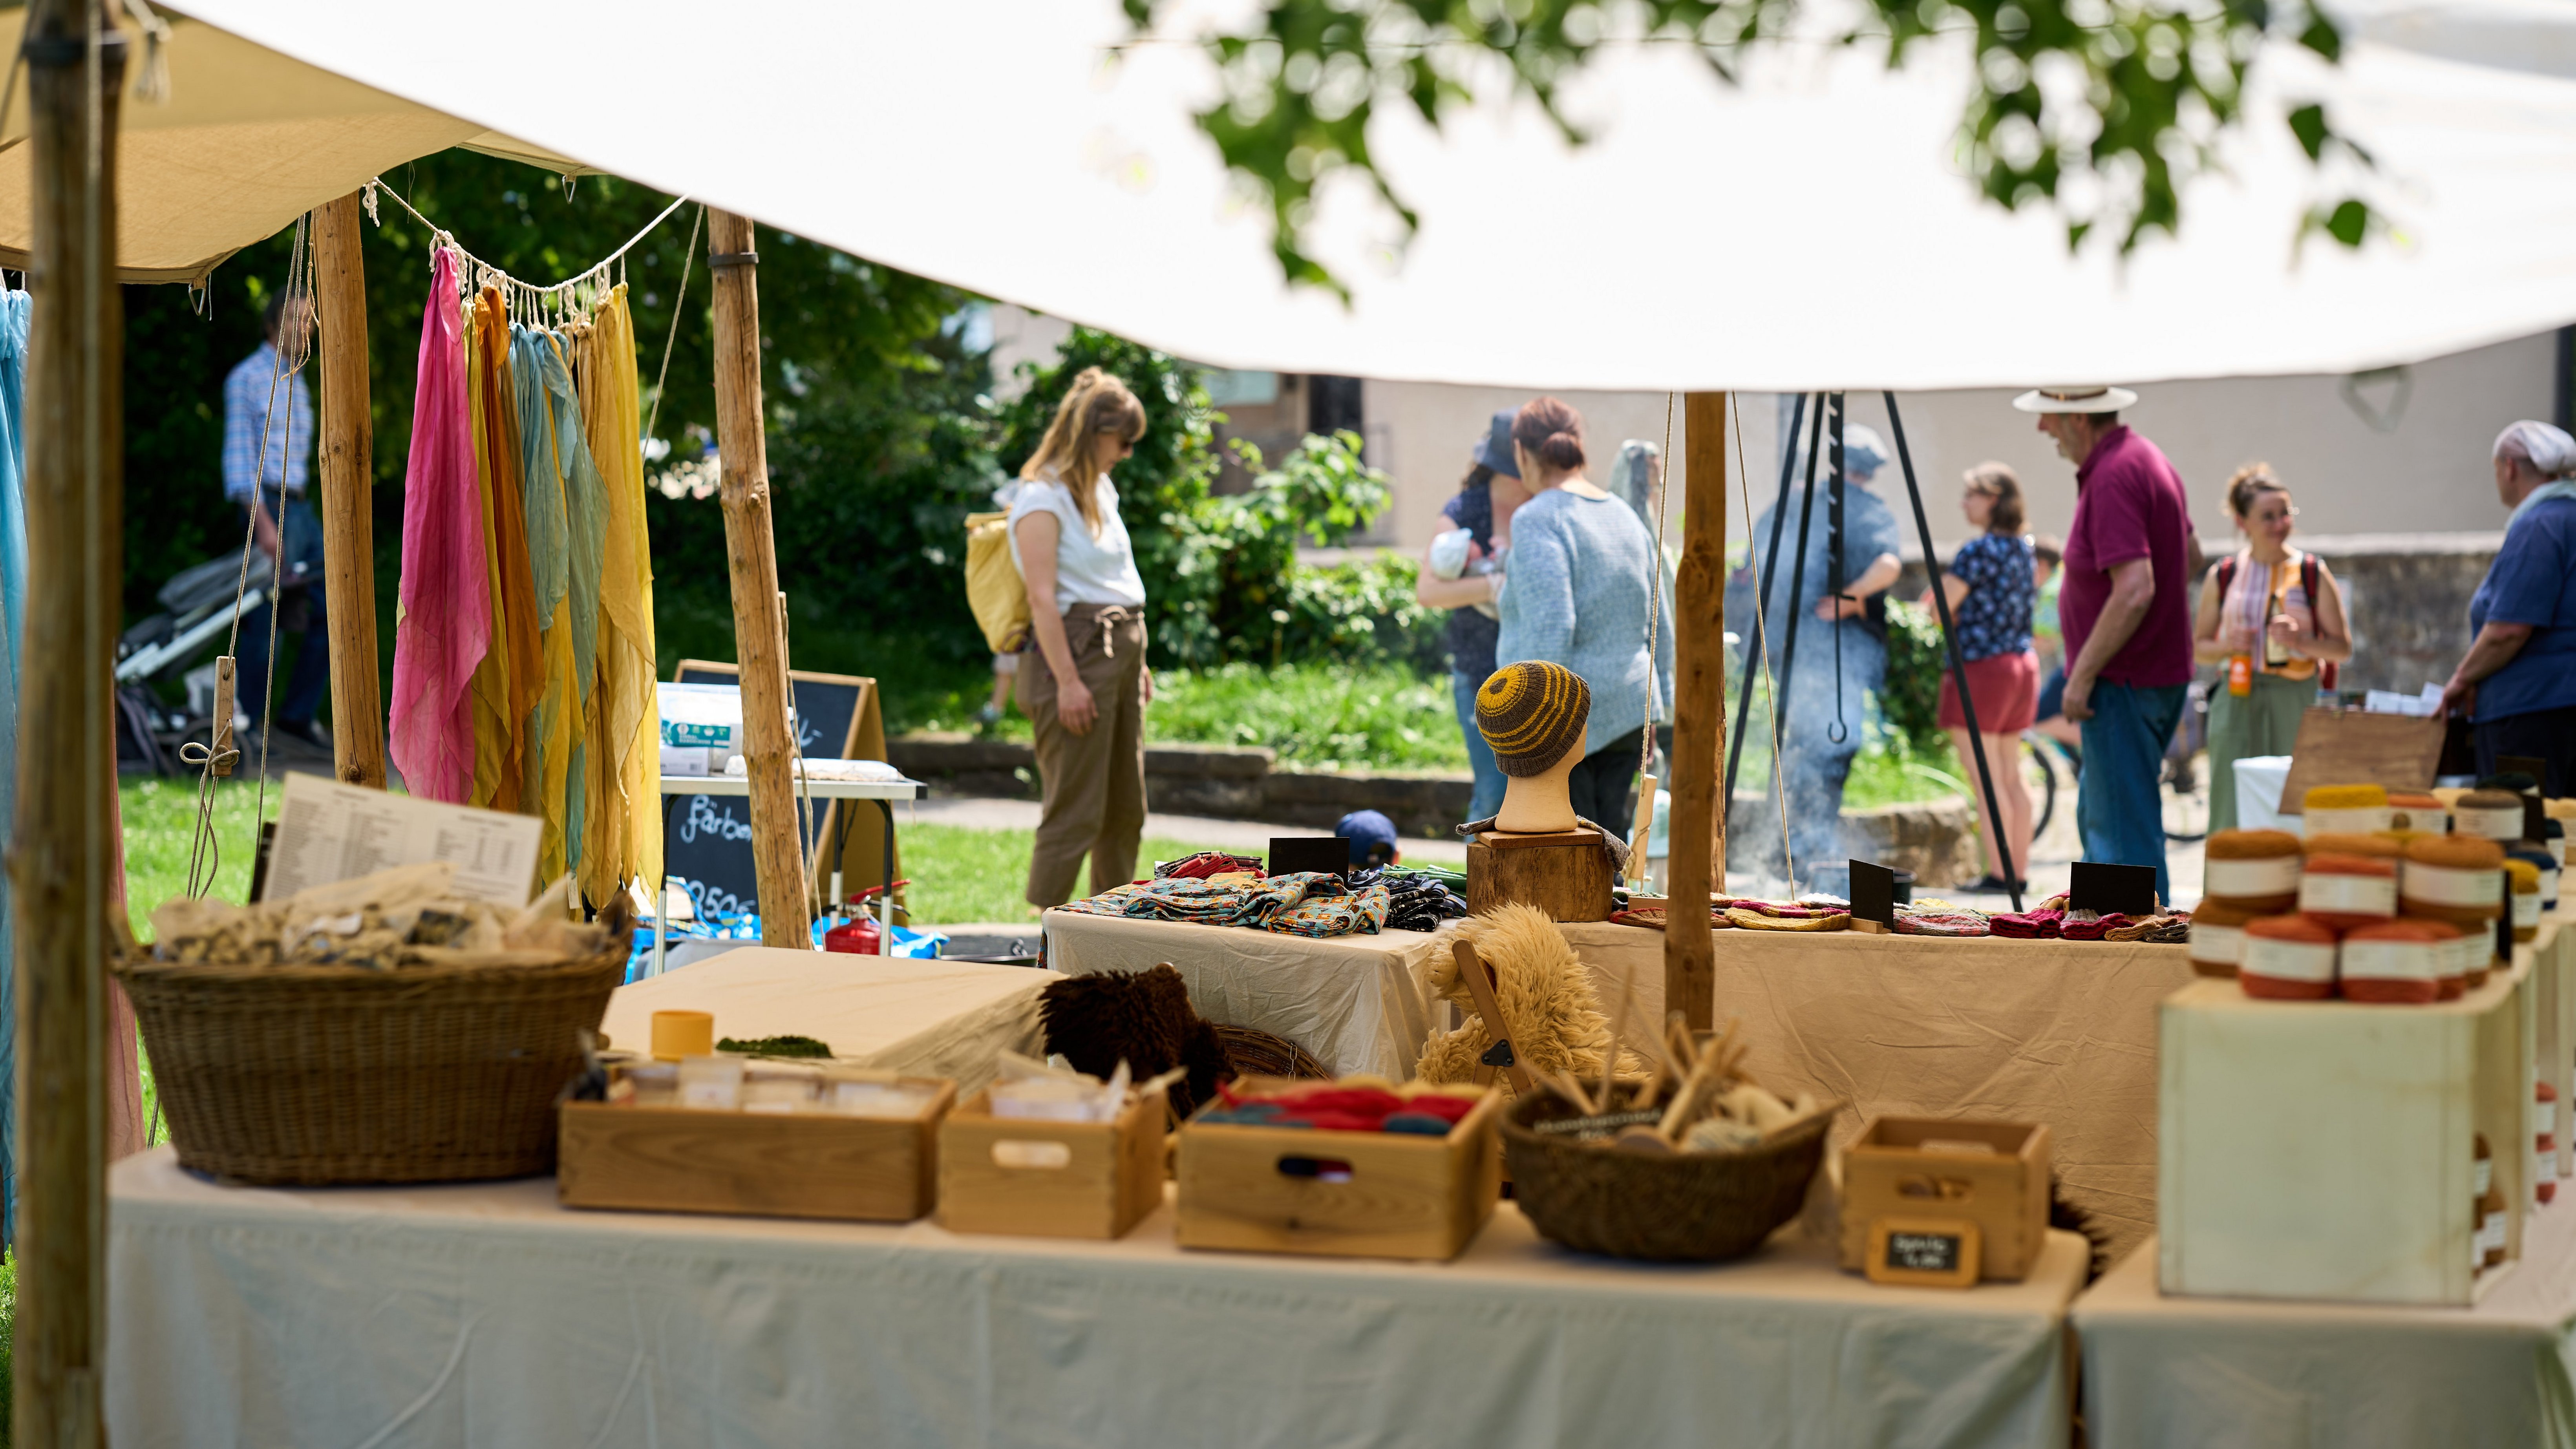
pixel 2408 596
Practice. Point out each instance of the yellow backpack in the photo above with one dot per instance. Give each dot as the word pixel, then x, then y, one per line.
pixel 993 587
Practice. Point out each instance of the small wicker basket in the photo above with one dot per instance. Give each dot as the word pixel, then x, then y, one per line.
pixel 340 1074
pixel 1690 1207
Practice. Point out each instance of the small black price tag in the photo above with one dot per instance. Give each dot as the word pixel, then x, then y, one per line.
pixel 1924 1252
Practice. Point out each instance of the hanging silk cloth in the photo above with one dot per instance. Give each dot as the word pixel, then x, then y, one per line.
pixel 623 827
pixel 555 724
pixel 13 600
pixel 443 620
pixel 586 531
pixel 512 676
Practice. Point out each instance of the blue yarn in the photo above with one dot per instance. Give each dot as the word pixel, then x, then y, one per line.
pixel 1419 1122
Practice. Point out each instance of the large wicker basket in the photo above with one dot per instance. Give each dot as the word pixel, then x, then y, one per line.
pixel 338 1074
pixel 1689 1207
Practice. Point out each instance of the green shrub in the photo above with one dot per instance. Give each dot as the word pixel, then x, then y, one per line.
pixel 1910 697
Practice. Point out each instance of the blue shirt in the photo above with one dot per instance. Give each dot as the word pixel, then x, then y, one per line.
pixel 2532 581
pixel 1575 594
pixel 1995 616
pixel 288 433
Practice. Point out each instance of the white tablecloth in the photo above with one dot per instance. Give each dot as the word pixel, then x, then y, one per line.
pixel 2259 782
pixel 485 1315
pixel 2224 1373
pixel 927 1018
pixel 1354 1001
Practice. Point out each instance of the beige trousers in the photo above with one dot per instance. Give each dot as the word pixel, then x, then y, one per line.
pixel 1093 783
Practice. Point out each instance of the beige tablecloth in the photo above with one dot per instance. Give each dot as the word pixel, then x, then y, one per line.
pixel 485 1315
pixel 928 1018
pixel 2061 1032
pixel 1354 1001
pixel 2226 1373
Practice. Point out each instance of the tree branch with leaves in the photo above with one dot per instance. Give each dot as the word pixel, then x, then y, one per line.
pixel 2133 97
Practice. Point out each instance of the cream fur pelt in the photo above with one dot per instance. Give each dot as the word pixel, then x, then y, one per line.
pixel 1545 992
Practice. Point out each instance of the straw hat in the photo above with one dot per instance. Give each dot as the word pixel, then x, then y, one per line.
pixel 2075 400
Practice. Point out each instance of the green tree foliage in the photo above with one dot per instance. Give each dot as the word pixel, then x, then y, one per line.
pixel 1910 696
pixel 2153 84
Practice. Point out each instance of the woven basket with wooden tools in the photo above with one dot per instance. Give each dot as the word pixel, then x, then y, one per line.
pixel 435 1065
pixel 1690 1166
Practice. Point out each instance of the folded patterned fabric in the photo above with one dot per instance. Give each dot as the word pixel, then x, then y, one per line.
pixel 2038 925
pixel 1821 900
pixel 2136 928
pixel 2172 930
pixel 1419 903
pixel 1942 923
pixel 1654 916
pixel 1207 863
pixel 1359 912
pixel 1804 920
pixel 2091 926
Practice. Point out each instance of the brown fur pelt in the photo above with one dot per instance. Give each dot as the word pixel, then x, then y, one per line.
pixel 1545 992
pixel 1144 1017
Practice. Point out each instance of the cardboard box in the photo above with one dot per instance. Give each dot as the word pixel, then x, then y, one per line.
pixel 1338 1194
pixel 1050 1179
pixel 793 1165
pixel 2326 1149
pixel 1888 1174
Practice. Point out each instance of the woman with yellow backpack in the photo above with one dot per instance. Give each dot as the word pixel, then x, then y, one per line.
pixel 1057 571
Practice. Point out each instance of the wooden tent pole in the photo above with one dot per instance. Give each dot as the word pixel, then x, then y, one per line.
pixel 60 846
pixel 348 485
pixel 1698 832
pixel 751 558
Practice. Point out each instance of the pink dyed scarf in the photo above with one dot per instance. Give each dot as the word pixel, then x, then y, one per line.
pixel 446 617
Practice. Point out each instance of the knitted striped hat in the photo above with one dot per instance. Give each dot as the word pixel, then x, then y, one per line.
pixel 1532 713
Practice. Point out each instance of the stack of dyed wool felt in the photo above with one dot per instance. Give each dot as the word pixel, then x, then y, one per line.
pixel 1352 1104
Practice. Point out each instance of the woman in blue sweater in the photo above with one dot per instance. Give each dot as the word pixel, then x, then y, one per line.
pixel 1577 595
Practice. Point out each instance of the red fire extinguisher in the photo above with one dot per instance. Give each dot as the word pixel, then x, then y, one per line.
pixel 861 936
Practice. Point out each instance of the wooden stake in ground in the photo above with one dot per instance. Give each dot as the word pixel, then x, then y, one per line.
pixel 348 486
pixel 751 558
pixel 1697 859
pixel 60 846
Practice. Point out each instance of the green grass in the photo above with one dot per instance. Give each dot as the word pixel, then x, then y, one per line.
pixel 1319 716
pixel 159 818
pixel 965 874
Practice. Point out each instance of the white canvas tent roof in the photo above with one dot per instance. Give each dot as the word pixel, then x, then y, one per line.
pixel 1806 229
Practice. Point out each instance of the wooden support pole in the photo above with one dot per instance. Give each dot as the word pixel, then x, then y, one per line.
pixel 751 558
pixel 60 846
pixel 348 487
pixel 1697 859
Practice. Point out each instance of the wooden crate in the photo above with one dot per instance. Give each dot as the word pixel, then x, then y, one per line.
pixel 804 1165
pixel 1406 1196
pixel 1109 1176
pixel 2325 1149
pixel 1887 1174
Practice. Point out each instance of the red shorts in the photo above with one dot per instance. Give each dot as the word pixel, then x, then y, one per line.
pixel 2006 689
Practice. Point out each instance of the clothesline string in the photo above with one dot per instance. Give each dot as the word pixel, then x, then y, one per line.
pixel 594 273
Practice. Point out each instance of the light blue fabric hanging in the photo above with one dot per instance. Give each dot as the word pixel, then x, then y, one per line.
pixel 13 600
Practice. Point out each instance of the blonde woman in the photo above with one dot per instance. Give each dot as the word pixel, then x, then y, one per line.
pixel 2272 616
pixel 1087 611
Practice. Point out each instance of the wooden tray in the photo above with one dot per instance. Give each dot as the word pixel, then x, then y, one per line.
pixel 805 1165
pixel 1050 1179
pixel 1259 1189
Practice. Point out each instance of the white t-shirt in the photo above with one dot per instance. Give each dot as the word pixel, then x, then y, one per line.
pixel 1088 570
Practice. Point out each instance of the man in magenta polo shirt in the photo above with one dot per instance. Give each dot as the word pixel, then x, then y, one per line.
pixel 2125 609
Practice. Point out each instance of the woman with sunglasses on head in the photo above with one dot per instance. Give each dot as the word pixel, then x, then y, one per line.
pixel 2273 616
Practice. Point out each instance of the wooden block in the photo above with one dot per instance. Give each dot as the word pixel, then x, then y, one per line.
pixel 1049 1179
pixel 1568 876
pixel 1339 1194
pixel 2352 747
pixel 1889 1174
pixel 1871 928
pixel 804 1165
pixel 2324 1149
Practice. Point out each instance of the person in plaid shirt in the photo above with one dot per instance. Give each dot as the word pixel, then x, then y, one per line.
pixel 268 456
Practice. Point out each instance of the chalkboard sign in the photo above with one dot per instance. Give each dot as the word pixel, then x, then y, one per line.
pixel 706 839
pixel 1928 1252
pixel 2093 885
pixel 1873 893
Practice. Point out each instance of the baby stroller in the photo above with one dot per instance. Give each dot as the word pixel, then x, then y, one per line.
pixel 196 619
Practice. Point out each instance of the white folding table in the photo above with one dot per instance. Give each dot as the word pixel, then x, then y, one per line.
pixel 883 792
